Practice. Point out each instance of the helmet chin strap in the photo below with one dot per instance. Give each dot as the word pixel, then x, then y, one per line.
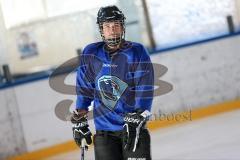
pixel 113 42
pixel 113 48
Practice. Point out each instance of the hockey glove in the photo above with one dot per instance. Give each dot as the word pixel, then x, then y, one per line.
pixel 80 129
pixel 134 123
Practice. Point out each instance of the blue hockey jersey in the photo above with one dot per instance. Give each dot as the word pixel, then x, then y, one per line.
pixel 118 83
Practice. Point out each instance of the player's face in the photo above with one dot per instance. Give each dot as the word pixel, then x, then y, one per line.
pixel 112 29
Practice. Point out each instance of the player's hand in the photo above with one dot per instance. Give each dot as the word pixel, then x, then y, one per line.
pixel 134 123
pixel 80 129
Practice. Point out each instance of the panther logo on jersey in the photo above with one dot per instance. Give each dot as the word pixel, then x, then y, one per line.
pixel 111 88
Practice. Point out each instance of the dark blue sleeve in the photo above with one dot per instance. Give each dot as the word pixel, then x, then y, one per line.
pixel 84 84
pixel 145 82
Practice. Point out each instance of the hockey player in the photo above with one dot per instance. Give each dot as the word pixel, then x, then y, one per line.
pixel 118 76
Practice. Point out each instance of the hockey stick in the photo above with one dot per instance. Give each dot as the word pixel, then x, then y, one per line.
pixel 82 149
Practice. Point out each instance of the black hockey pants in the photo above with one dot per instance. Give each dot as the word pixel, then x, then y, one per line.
pixel 108 145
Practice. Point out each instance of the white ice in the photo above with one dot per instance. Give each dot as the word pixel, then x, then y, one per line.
pixel 211 138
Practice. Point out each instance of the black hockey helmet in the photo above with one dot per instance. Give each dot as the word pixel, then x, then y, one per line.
pixel 111 14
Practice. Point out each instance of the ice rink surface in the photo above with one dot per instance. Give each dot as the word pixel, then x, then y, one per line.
pixel 211 138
